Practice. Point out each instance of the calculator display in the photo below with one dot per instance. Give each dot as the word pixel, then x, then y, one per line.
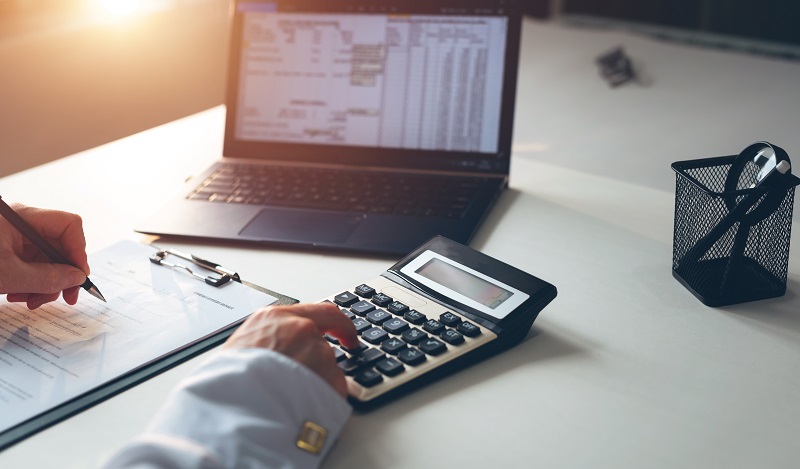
pixel 463 284
pixel 469 285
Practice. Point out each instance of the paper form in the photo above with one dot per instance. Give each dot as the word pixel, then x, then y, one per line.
pixel 57 352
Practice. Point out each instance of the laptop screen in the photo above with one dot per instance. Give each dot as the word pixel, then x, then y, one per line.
pixel 399 81
pixel 404 77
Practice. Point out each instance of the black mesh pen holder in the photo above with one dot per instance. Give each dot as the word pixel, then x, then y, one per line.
pixel 732 227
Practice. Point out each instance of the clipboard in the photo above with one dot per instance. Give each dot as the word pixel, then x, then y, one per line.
pixel 224 275
pixel 185 262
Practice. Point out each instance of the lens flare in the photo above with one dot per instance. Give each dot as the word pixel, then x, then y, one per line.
pixel 119 8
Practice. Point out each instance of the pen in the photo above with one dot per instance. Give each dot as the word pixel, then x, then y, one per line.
pixel 41 243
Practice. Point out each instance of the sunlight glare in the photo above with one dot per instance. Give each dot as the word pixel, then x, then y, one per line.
pixel 119 8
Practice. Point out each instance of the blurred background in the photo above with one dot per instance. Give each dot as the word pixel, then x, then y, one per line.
pixel 75 74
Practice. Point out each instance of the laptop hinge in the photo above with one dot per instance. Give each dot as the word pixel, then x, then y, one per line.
pixel 377 169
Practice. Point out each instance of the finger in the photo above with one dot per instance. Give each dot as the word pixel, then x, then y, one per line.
pixel 329 319
pixel 17 297
pixel 63 229
pixel 71 295
pixel 289 330
pixel 317 354
pixel 332 373
pixel 40 277
pixel 38 299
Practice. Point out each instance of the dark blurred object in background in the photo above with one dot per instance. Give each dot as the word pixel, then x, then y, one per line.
pixel 770 20
pixel 616 67
pixel 535 8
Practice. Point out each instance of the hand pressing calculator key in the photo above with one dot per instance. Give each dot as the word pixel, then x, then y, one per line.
pixel 442 307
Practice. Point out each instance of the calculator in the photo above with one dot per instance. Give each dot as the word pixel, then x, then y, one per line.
pixel 441 308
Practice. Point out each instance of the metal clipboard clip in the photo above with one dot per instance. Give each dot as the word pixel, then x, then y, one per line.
pixel 225 275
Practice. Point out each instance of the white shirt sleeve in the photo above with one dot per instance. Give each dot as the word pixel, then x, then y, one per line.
pixel 242 408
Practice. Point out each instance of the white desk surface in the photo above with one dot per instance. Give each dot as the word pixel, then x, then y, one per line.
pixel 624 369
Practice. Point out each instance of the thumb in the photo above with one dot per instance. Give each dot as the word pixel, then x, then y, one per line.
pixel 36 277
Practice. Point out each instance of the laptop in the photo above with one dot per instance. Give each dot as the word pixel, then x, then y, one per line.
pixel 358 125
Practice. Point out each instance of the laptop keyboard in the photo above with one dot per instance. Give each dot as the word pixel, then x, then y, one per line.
pixel 335 189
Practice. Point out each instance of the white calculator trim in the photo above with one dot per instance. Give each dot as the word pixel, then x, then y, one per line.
pixel 507 307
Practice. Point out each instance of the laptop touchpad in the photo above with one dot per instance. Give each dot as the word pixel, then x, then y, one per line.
pixel 302 225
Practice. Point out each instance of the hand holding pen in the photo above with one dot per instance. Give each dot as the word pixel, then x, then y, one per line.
pixel 42 254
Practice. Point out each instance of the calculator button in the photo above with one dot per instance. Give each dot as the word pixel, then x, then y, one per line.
pixel 414 317
pixel 331 339
pixel 469 329
pixel 452 337
pixel 411 356
pixel 345 299
pixel 361 324
pixel 396 307
pixel 413 336
pixel 365 291
pixel 348 366
pixel 375 335
pixel 362 307
pixel 381 300
pixel 449 319
pixel 378 316
pixel 395 326
pixel 432 346
pixel 368 356
pixel 347 313
pixel 368 378
pixel 360 361
pixel 338 354
pixel 390 366
pixel 433 326
pixel 392 346
pixel 355 351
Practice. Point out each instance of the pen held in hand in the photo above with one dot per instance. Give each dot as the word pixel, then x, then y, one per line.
pixel 38 240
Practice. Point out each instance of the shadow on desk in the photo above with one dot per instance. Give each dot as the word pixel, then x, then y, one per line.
pixel 538 346
pixel 499 212
pixel 779 317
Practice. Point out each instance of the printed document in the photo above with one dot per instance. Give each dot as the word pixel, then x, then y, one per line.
pixel 58 352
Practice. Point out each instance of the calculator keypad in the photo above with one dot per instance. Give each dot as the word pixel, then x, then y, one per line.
pixel 375 335
pixel 396 307
pixel 403 335
pixel 365 291
pixel 414 336
pixel 381 300
pixel 393 345
pixel 395 326
pixel 361 308
pixel 414 317
pixel 345 299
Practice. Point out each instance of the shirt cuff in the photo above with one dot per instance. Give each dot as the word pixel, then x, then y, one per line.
pixel 251 406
